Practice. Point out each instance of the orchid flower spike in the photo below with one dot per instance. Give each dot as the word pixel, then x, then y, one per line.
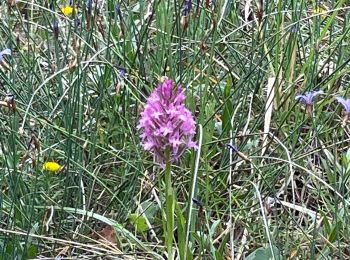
pixel 166 123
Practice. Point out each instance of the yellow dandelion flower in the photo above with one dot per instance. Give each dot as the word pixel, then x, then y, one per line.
pixel 67 10
pixel 51 166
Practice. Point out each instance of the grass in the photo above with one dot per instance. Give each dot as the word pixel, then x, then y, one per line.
pixel 241 64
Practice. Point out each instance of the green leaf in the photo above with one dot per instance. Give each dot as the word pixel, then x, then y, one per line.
pixel 9 249
pixel 32 251
pixel 263 253
pixel 139 222
pixel 333 235
pixel 346 160
pixel 214 227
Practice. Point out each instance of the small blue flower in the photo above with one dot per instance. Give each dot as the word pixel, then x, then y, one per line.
pixel 187 8
pixel 307 98
pixel 197 202
pixel 119 13
pixel 122 72
pixel 345 103
pixel 238 152
pixel 233 147
pixel 55 28
pixel 77 22
pixel 4 52
pixel 89 7
pixel 293 29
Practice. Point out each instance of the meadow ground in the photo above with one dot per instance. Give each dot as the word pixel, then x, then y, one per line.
pixel 266 83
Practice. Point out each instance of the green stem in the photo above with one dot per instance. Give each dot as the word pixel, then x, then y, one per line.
pixel 169 207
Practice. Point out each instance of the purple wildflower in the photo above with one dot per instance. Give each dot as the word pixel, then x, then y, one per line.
pixel 119 13
pixel 4 52
pixel 233 147
pixel 121 72
pixel 345 103
pixel 238 152
pixel 187 8
pixel 55 28
pixel 197 202
pixel 293 29
pixel 167 123
pixel 307 98
pixel 89 7
pixel 77 22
